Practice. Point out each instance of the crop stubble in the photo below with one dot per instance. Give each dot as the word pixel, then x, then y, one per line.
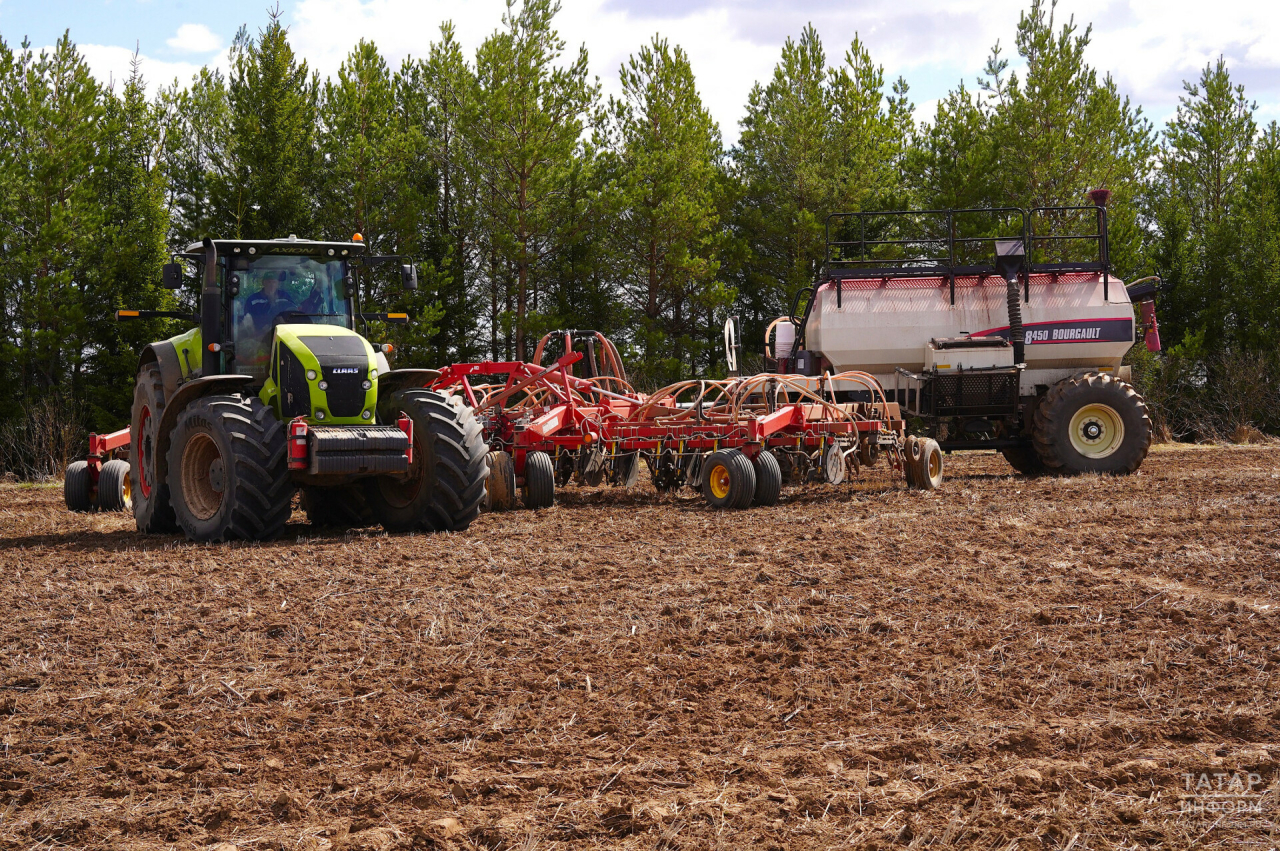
pixel 1001 663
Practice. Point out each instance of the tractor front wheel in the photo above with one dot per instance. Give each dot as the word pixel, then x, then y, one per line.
pixel 445 485
pixel 228 471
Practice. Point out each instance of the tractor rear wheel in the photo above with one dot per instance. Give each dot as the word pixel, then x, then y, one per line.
pixel 228 470
pixel 445 484
pixel 501 485
pixel 1092 423
pixel 114 490
pixel 152 509
pixel 539 480
pixel 768 479
pixel 728 479
pixel 77 487
pixel 337 507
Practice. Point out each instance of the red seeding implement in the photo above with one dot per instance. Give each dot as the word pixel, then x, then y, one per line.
pixel 737 440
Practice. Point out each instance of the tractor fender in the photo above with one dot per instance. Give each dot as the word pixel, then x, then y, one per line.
pixel 164 355
pixel 177 403
pixel 399 379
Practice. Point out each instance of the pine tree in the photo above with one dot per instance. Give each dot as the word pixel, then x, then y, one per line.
pixel 525 125
pixel 273 123
pixel 664 162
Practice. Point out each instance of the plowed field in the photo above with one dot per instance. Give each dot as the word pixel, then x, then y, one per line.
pixel 1002 663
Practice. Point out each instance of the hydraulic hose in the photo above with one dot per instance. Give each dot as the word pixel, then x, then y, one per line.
pixel 1016 335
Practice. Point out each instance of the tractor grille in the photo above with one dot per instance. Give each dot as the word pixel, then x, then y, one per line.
pixel 979 392
pixel 295 395
pixel 345 395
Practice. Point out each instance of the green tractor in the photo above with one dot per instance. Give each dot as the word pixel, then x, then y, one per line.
pixel 275 391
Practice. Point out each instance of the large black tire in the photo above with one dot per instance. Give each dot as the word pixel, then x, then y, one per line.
pixel 152 508
pixel 1024 459
pixel 114 491
pixel 1092 423
pixel 539 480
pixel 77 487
pixel 501 484
pixel 228 470
pixel 337 507
pixel 728 479
pixel 445 485
pixel 768 479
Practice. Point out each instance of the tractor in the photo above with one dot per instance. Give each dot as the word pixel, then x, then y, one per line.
pixel 273 392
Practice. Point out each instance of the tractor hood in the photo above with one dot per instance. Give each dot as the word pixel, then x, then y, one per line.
pixel 323 372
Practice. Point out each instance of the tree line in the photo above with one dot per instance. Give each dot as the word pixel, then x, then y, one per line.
pixel 531 201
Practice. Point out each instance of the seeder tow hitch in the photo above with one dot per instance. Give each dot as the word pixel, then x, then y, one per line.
pixel 738 440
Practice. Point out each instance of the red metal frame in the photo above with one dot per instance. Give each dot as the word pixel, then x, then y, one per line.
pixel 551 410
pixel 100 447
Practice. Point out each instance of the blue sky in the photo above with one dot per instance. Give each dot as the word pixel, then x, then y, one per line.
pixel 1150 46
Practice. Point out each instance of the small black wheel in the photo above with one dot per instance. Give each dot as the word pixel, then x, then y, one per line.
pixel 539 480
pixel 911 460
pixel 1092 423
pixel 501 485
pixel 114 490
pixel 228 470
pixel 928 467
pixel 77 487
pixel 768 478
pixel 337 507
pixel 868 452
pixel 728 479
pixel 152 508
pixel 1025 460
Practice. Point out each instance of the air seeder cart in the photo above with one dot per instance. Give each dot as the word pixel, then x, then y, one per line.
pixel 1000 329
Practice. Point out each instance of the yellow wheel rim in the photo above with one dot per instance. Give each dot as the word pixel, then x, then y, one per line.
pixel 1096 431
pixel 126 489
pixel 935 464
pixel 719 479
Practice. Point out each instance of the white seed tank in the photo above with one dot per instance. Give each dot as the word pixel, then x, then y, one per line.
pixel 1071 321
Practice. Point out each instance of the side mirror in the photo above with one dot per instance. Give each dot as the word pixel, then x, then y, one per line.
pixel 348 287
pixel 171 277
pixel 409 276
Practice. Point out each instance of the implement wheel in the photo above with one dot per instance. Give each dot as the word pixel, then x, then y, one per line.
pixel 927 473
pixel 911 454
pixel 1092 424
pixel 445 484
pixel 501 485
pixel 539 480
pixel 228 470
pixel 114 491
pixel 152 509
pixel 728 479
pixel 77 487
pixel 768 479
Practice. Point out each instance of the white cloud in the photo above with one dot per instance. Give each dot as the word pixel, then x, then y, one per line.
pixel 195 38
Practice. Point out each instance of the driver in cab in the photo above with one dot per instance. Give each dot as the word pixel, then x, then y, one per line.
pixel 272 301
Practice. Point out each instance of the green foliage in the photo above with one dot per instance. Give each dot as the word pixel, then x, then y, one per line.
pixel 663 160
pixel 529 204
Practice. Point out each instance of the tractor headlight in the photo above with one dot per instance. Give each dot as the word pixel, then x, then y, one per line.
pixel 367 414
pixel 323 385
pixel 319 414
pixel 366 384
pixel 373 373
pixel 311 375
